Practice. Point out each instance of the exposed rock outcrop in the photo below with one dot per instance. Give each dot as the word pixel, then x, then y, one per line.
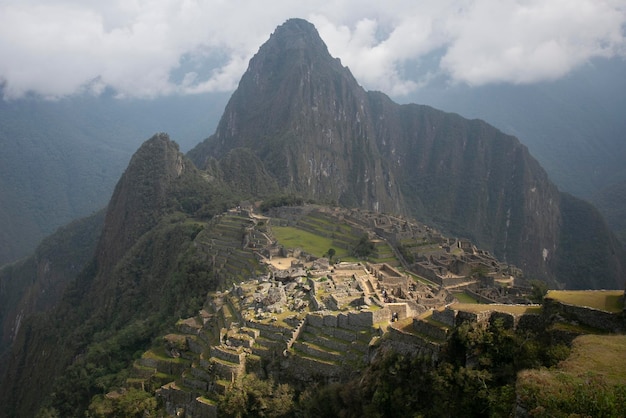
pixel 324 137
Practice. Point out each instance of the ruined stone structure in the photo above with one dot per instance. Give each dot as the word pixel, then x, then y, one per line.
pixel 307 319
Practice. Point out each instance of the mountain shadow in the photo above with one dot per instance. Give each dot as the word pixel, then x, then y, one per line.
pixel 322 136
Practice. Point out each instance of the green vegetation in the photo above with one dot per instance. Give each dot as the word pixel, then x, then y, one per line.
pixel 97 334
pixel 539 290
pixel 591 382
pixel 254 397
pixel 281 200
pixel 608 300
pixel 331 253
pixel 364 248
pixel 465 298
pixel 475 377
pixel 129 403
pixel 512 309
pixel 292 237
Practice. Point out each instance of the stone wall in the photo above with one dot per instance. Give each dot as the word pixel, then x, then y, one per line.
pixel 348 266
pixel 426 272
pixel 430 330
pixel 349 320
pixel 398 308
pixel 411 344
pixel 272 331
pixel 611 322
pixel 228 354
pixel 167 366
pixel 384 271
pixel 414 308
pixel 446 316
pixel 463 316
pixel 305 369
pixel 296 333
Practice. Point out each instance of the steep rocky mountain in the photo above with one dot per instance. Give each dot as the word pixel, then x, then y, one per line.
pixel 611 201
pixel 144 273
pixel 323 136
pixel 574 126
pixel 60 159
pixel 298 124
pixel 37 283
pixel 304 116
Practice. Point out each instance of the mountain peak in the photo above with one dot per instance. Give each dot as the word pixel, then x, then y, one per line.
pixel 296 34
pixel 140 196
pixel 295 45
pixel 303 118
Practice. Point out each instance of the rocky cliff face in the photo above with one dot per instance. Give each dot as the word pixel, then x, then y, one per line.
pixel 144 269
pixel 37 283
pixel 306 118
pixel 298 123
pixel 140 197
pixel 324 137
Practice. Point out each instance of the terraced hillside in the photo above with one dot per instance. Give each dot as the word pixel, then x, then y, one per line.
pixel 295 317
pixel 226 244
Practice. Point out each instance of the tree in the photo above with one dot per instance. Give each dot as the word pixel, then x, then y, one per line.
pixel 251 396
pixel 331 253
pixel 364 248
pixel 539 290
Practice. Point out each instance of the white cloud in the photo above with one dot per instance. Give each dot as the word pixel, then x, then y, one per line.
pixel 59 47
pixel 530 41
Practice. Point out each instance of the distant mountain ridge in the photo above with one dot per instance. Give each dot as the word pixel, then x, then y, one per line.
pixel 574 126
pixel 298 124
pixel 60 160
pixel 142 271
pixel 321 135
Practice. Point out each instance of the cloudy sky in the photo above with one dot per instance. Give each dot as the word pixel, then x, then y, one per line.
pixel 143 48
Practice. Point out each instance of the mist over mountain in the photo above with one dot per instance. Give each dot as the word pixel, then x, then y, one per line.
pixel 573 126
pixel 61 159
pixel 299 124
pixel 323 136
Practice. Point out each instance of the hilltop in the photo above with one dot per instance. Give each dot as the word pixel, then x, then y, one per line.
pixel 302 119
pixel 384 216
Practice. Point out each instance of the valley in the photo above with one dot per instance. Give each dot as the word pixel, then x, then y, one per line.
pixel 290 315
pixel 326 252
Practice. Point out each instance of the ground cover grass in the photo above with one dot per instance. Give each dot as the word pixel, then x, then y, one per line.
pixel 512 309
pixel 465 298
pixel 158 353
pixel 576 328
pixel 317 245
pixel 605 300
pixel 590 382
pixel 602 354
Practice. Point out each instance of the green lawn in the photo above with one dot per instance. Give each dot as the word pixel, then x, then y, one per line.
pixel 512 309
pixel 465 298
pixel 314 244
pixel 605 300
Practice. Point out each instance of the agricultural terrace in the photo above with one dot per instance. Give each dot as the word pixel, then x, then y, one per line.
pixel 511 309
pixel 604 300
